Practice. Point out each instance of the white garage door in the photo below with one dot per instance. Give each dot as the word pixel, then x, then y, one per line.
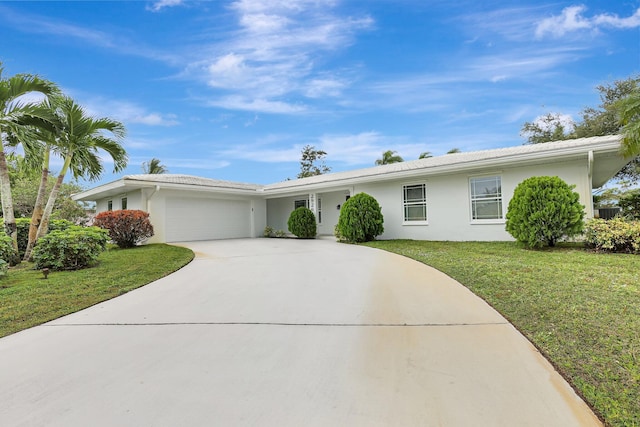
pixel 206 219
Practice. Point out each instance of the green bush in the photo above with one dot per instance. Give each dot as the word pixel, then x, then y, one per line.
pixel 302 223
pixel 70 249
pixel 126 228
pixel 23 230
pixel 630 204
pixel 543 210
pixel 614 235
pixel 7 253
pixel 360 219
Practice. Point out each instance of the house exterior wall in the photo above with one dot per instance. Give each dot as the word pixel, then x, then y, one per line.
pixel 134 201
pixel 448 203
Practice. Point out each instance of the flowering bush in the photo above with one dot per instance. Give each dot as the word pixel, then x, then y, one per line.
pixel 614 235
pixel 126 228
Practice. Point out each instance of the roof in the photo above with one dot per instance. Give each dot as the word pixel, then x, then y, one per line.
pixel 601 146
pixel 460 162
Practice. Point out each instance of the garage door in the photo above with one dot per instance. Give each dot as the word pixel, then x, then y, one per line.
pixel 206 219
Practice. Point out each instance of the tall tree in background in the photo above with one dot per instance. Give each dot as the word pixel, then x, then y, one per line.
pixel 454 151
pixel 550 127
pixel 425 155
pixel 154 167
pixel 312 162
pixel 596 121
pixel 16 121
pixel 629 112
pixel 389 157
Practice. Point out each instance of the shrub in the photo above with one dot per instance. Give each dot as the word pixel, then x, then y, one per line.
pixel 268 231
pixel 4 268
pixel 7 253
pixel 543 210
pixel 360 219
pixel 126 228
pixel 614 235
pixel 71 249
pixel 630 204
pixel 302 223
pixel 23 230
pixel 280 233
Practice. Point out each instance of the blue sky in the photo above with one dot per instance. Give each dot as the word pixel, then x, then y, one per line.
pixel 234 89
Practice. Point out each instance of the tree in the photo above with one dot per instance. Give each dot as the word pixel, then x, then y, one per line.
pixel 454 151
pixel 550 127
pixel 154 167
pixel 389 157
pixel 312 162
pixel 16 124
pixel 79 141
pixel 425 155
pixel 598 121
pixel 629 112
pixel 544 209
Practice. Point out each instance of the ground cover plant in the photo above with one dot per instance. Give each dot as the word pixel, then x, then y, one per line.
pixel 579 307
pixel 28 299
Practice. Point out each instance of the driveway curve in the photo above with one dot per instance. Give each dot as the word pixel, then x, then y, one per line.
pixel 283 332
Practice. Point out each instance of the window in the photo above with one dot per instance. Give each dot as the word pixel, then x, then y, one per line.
pixel 415 202
pixel 110 205
pixel 319 211
pixel 486 198
pixel 124 203
pixel 300 203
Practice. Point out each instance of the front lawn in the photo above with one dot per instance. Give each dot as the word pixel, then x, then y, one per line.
pixel 27 299
pixel 581 309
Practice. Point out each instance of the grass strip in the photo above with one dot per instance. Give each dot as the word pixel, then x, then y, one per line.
pixel 580 308
pixel 28 299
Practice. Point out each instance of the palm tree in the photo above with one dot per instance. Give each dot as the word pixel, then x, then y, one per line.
pixel 454 151
pixel 629 110
pixel 425 155
pixel 16 121
pixel 153 167
pixel 389 157
pixel 79 142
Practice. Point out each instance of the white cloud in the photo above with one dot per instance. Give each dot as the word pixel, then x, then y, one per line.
pixel 128 112
pixel 161 4
pixel 260 105
pixel 572 19
pixel 275 54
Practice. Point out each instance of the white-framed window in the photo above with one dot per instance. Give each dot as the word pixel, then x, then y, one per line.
pixel 414 201
pixel 486 198
pixel 302 203
pixel 319 210
pixel 110 205
pixel 123 203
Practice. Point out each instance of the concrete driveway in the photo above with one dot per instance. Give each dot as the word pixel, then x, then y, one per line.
pixel 273 332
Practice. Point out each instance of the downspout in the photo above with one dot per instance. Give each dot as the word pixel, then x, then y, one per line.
pixel 155 190
pixel 590 174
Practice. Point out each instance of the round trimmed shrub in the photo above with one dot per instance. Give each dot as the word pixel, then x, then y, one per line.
pixel 543 210
pixel 72 249
pixel 360 219
pixel 302 223
pixel 126 228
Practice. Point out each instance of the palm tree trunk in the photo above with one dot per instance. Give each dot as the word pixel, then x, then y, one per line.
pixel 38 209
pixel 43 228
pixel 7 204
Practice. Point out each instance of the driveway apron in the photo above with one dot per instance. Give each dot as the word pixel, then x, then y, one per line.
pixel 284 332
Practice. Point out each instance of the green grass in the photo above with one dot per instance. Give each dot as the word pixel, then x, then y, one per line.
pixel 580 308
pixel 27 299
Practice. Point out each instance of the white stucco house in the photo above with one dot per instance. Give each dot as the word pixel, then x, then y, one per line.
pixel 460 196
